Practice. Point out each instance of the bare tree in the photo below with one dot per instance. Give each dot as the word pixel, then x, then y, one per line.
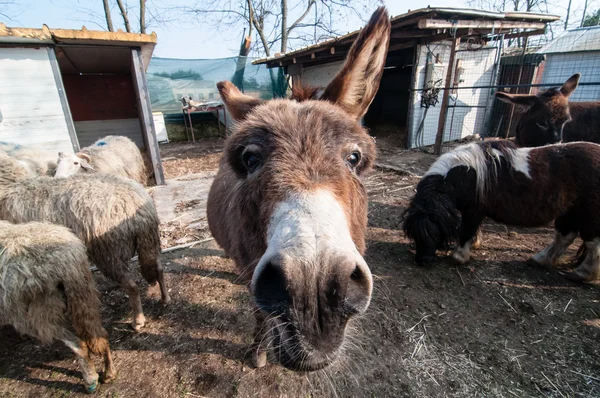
pixel 568 14
pixel 109 23
pixel 124 15
pixel 5 9
pixel 311 20
pixel 142 16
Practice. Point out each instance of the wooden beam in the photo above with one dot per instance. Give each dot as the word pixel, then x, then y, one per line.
pixel 410 34
pixel 402 46
pixel 444 107
pixel 145 114
pixel 411 21
pixel 460 24
pixel 63 99
pixel 524 34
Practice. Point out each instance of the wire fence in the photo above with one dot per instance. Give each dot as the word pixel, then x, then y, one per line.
pixel 480 70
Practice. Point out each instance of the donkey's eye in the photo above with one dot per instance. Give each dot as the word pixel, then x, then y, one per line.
pixel 353 159
pixel 76 163
pixel 252 161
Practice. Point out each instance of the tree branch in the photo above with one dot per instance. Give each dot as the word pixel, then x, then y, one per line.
pixel 260 31
pixel 109 23
pixel 295 24
pixel 142 16
pixel 124 15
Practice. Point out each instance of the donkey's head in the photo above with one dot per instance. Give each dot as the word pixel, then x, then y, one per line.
pixel 545 114
pixel 298 165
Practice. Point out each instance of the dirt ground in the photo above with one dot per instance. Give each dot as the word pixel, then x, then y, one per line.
pixel 494 328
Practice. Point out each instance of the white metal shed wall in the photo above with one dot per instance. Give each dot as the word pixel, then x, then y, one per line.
pixel 321 75
pixel 31 111
pixel 468 117
pixel 559 67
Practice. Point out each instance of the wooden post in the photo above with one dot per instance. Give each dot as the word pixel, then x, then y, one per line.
pixel 445 97
pixel 145 114
pixel 512 107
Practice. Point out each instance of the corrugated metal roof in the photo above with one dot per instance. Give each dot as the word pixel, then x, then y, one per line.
pixel 575 40
pixel 402 19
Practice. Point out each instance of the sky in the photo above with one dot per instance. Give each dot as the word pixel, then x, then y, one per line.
pixel 183 35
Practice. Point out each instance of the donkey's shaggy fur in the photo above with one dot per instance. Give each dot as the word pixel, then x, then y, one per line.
pixel 517 186
pixel 37 160
pixel 45 279
pixel 113 216
pixel 289 207
pixel 112 154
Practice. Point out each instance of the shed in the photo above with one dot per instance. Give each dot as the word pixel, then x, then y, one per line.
pixel 450 55
pixel 574 51
pixel 64 89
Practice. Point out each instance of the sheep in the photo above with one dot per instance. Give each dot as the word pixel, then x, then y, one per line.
pixel 13 169
pixel 37 160
pixel 114 217
pixel 111 155
pixel 45 280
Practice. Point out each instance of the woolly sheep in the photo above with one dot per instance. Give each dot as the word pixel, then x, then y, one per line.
pixel 37 160
pixel 114 217
pixel 12 169
pixel 45 280
pixel 111 155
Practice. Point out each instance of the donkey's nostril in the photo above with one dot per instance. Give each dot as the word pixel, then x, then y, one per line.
pixel 358 293
pixel 357 275
pixel 270 288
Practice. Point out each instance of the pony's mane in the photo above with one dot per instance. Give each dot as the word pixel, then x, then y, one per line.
pixel 304 92
pixel 485 158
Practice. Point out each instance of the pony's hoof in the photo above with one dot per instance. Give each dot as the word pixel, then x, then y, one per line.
pixel 109 376
pixel 259 358
pixel 533 262
pixel 575 276
pixel 91 388
pixel 166 301
pixel 138 324
pixel 459 258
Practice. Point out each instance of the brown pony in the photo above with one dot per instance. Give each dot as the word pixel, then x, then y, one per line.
pixel 549 117
pixel 526 187
pixel 289 207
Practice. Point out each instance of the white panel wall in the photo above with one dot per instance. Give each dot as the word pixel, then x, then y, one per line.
pixel 30 109
pixel 321 75
pixel 465 118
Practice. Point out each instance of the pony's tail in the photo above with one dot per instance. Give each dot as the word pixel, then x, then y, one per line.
pixel 83 305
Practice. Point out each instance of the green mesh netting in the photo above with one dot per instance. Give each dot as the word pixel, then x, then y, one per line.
pixel 170 79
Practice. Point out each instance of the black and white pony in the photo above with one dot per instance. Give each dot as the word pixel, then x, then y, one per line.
pixel 526 187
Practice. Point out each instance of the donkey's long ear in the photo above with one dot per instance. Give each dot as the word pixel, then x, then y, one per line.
pixel 570 85
pixel 525 100
pixel 237 103
pixel 355 86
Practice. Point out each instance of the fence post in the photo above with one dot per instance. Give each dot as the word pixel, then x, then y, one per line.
pixel 512 107
pixel 444 107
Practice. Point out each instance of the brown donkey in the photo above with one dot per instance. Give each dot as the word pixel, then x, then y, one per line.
pixel 549 117
pixel 289 207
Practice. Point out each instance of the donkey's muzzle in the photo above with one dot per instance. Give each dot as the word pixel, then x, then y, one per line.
pixel 309 304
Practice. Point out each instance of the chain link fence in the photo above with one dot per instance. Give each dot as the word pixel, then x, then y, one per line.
pixel 480 69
